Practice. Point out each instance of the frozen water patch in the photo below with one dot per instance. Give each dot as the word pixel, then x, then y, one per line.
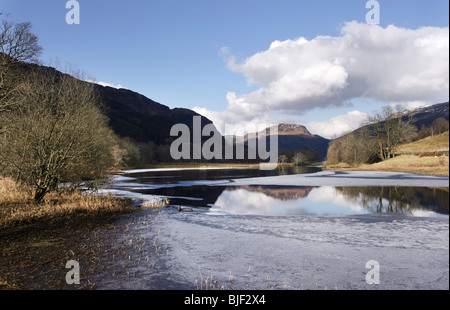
pixel 138 198
pixel 305 252
pixel 295 252
pixel 349 178
pixel 181 169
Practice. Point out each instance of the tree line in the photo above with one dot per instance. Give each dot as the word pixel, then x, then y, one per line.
pixel 380 137
pixel 298 157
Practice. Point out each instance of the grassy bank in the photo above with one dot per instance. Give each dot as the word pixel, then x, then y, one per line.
pixel 36 240
pixel 19 211
pixel 403 163
pixel 421 162
pixel 437 143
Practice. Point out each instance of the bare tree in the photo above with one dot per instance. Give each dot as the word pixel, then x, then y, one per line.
pixel 390 127
pixel 282 159
pixel 299 158
pixel 353 148
pixel 17 44
pixel 51 128
pixel 58 134
pixel 439 125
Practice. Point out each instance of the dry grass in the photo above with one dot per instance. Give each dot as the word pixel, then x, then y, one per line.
pixel 17 208
pixel 414 164
pixel 403 163
pixel 436 143
pixel 36 240
pixel 427 165
pixel 156 203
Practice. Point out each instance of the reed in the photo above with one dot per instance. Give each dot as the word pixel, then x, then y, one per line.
pixel 18 209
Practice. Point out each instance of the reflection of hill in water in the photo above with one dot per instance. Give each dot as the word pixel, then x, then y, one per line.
pixel 375 199
pixel 400 199
pixel 278 192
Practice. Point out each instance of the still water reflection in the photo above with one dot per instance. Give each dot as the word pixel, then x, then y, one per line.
pixel 204 189
pixel 332 201
pixel 319 201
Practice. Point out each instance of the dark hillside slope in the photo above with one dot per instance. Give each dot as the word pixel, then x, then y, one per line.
pixel 137 117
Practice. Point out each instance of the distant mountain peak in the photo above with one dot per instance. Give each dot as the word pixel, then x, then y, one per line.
pixel 292 137
pixel 293 129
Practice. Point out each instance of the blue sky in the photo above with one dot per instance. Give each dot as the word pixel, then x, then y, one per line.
pixel 194 53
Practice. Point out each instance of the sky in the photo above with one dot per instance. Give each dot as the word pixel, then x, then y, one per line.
pixel 252 62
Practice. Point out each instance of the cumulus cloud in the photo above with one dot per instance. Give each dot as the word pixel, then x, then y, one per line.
pixel 338 125
pixel 390 64
pixel 228 123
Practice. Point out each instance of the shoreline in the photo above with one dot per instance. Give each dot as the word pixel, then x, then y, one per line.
pixel 34 255
pixel 38 240
pixel 430 166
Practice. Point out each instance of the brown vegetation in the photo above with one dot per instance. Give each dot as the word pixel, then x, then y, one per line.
pixel 385 145
pixel 404 163
pixel 64 208
pixel 430 144
pixel 52 128
pixel 36 240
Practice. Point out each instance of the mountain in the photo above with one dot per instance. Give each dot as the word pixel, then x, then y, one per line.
pixel 279 193
pixel 293 137
pixel 137 117
pixel 424 116
pixel 130 114
pixel 427 115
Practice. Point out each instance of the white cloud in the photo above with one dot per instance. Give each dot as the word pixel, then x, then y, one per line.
pixel 338 125
pixel 118 86
pixel 409 105
pixel 389 64
pixel 228 123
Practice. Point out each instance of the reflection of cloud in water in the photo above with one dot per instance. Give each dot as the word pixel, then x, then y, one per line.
pixel 317 201
pixel 422 213
pixel 331 195
pixel 241 201
pixel 326 200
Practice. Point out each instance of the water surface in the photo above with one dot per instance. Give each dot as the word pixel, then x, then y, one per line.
pixel 212 190
pixel 249 229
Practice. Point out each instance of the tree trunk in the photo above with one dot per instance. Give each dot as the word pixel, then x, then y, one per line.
pixel 39 194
